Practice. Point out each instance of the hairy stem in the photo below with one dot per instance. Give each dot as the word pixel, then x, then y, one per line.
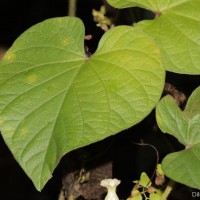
pixel 168 190
pixel 72 8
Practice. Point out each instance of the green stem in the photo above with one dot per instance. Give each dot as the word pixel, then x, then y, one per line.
pixel 168 190
pixel 72 8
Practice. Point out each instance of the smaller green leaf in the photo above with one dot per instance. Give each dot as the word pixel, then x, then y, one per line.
pixel 171 120
pixel 139 197
pixel 182 166
pixel 135 195
pixel 155 196
pixel 144 180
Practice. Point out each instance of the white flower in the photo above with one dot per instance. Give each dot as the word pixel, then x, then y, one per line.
pixel 111 185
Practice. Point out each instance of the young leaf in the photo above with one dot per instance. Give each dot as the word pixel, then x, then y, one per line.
pixel 144 180
pixel 54 99
pixel 182 166
pixel 135 195
pixel 175 29
pixel 155 196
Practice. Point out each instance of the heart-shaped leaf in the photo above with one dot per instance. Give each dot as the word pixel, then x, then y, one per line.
pixel 182 166
pixel 175 29
pixel 55 99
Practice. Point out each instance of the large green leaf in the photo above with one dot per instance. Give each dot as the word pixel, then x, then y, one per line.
pixel 175 29
pixel 55 99
pixel 154 6
pixel 182 166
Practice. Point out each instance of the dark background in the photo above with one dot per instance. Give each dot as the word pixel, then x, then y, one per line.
pixel 17 16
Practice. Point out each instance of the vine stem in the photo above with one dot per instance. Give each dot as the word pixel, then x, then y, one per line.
pixel 72 8
pixel 168 190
